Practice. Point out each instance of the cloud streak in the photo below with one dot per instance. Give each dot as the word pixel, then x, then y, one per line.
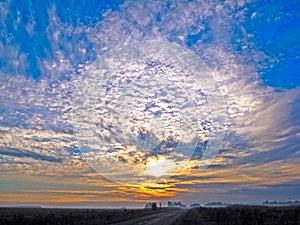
pixel 261 146
pixel 28 154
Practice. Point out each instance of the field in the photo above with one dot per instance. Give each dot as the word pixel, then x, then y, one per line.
pixel 243 215
pixel 232 215
pixel 44 216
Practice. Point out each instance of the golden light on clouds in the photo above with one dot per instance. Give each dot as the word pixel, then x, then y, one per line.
pixel 160 167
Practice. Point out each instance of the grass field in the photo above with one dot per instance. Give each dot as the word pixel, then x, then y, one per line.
pixel 232 215
pixel 243 215
pixel 46 216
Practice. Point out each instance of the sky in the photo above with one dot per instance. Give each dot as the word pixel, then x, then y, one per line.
pixel 77 128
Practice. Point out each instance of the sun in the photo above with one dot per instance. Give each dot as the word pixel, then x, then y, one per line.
pixel 160 167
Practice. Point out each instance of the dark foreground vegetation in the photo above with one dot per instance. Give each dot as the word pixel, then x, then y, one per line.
pixel 243 215
pixel 231 215
pixel 43 216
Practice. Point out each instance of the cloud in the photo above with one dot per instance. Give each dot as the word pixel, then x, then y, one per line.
pixel 282 192
pixel 33 155
pixel 36 126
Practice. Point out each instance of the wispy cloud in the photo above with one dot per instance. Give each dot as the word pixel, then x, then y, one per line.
pixel 27 154
pixel 261 146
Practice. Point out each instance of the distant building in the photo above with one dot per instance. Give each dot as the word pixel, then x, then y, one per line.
pixel 151 205
pixel 148 205
pixel 176 205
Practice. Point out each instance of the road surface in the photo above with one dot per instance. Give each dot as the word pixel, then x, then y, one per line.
pixel 165 218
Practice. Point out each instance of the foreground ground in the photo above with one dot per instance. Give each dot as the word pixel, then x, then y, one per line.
pixel 27 216
pixel 233 215
pixel 243 215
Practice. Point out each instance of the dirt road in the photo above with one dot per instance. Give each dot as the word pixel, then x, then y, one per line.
pixel 165 218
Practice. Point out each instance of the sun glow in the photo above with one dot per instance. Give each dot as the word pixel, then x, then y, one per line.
pixel 160 167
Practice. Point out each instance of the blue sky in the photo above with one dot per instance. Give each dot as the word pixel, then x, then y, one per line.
pixel 251 47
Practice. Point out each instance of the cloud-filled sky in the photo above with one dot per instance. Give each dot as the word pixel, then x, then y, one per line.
pixel 49 55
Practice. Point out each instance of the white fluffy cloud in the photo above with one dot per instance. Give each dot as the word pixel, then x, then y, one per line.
pixel 36 114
